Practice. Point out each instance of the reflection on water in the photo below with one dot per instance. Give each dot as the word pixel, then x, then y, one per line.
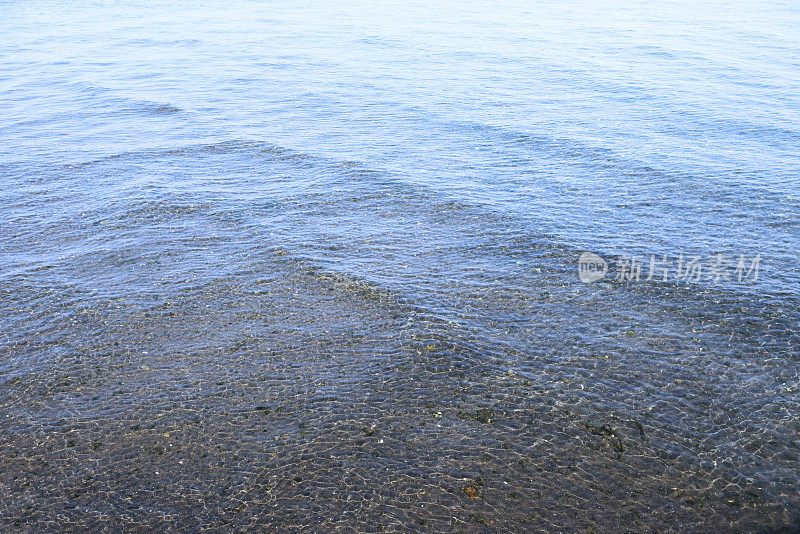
pixel 266 270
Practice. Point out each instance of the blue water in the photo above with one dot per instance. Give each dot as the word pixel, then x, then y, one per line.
pixel 652 129
pixel 455 158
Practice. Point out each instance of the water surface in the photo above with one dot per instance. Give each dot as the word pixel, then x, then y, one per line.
pixel 315 266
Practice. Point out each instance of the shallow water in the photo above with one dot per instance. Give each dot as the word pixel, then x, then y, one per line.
pixel 316 267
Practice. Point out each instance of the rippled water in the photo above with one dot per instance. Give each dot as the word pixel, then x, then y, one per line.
pixel 315 266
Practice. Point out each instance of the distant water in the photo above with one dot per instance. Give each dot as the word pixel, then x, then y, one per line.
pixel 330 198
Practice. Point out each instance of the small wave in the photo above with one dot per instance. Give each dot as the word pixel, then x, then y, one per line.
pixel 165 109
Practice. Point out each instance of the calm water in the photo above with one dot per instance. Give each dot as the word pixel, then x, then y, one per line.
pixel 315 266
